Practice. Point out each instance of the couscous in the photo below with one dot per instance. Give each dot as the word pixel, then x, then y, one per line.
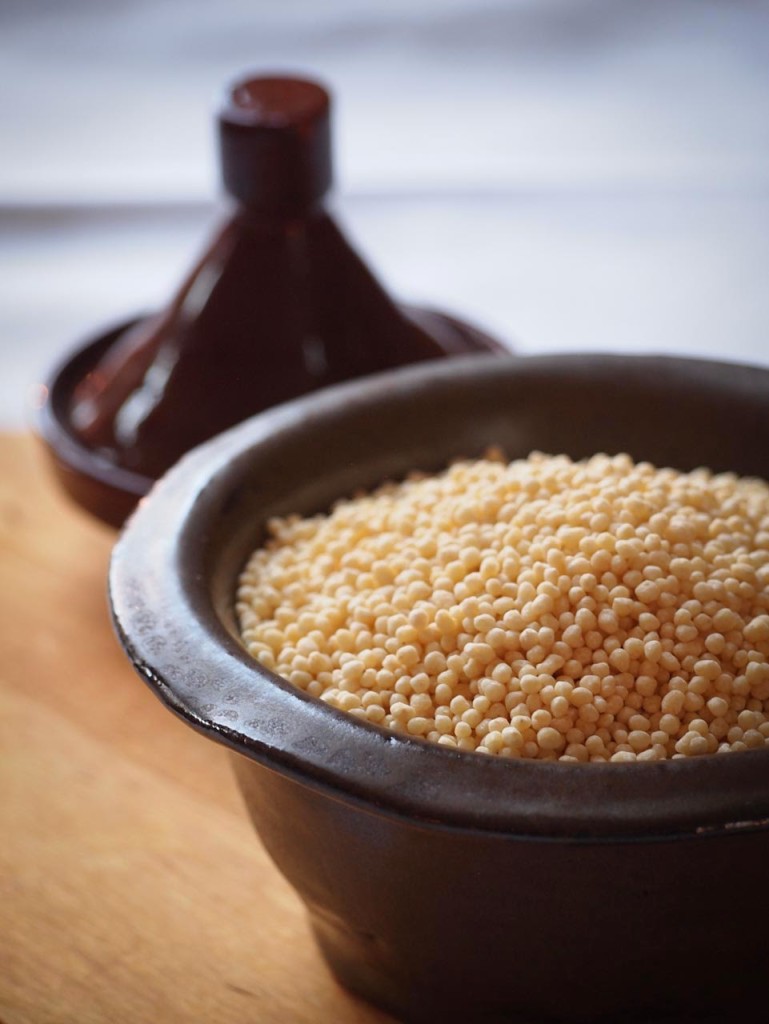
pixel 601 610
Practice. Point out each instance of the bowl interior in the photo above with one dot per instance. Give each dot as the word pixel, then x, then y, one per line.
pixel 175 570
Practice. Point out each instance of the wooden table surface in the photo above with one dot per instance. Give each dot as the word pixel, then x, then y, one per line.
pixel 132 886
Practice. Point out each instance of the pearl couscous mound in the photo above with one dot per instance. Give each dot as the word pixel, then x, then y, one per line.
pixel 581 611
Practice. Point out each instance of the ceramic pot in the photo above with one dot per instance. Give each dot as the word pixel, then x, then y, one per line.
pixel 442 885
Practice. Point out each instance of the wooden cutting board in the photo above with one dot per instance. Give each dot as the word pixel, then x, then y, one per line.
pixel 132 886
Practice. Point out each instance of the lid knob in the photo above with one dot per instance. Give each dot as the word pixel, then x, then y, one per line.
pixel 275 143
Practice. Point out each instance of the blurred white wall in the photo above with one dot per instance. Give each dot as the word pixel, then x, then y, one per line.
pixel 585 174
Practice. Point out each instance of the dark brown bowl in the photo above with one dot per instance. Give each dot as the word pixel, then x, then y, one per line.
pixel 443 885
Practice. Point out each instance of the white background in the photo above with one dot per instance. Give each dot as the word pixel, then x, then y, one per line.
pixel 572 174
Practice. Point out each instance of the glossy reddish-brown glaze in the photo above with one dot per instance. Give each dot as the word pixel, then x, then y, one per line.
pixel 279 305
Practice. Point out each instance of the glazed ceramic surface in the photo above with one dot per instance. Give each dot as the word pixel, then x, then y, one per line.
pixel 279 305
pixel 441 884
pixel 90 477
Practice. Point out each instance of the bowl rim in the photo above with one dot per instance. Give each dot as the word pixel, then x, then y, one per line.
pixel 163 613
